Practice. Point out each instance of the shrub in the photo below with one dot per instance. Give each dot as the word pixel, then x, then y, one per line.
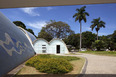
pixel 54 66
pixel 99 45
pixel 51 63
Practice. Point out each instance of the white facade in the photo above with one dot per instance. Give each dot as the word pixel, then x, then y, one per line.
pixel 55 46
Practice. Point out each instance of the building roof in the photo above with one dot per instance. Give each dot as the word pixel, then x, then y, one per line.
pixel 50 41
pixel 38 3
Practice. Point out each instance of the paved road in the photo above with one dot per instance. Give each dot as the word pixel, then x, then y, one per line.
pixel 99 66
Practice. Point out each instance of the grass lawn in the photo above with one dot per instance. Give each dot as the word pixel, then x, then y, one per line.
pixel 105 53
pixel 28 71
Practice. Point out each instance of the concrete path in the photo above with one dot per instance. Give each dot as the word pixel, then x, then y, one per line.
pixel 99 66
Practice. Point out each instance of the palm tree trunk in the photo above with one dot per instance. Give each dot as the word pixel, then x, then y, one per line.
pixel 80 36
pixel 97 35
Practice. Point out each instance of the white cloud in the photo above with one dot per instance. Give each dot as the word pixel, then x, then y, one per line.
pixel 30 11
pixel 100 34
pixel 37 25
pixel 49 8
pixel 86 28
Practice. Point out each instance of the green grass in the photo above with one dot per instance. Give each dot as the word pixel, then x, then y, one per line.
pixel 68 58
pixel 105 53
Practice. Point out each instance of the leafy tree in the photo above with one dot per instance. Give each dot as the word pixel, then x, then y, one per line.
pixel 45 35
pixel 87 39
pixel 113 42
pixel 31 31
pixel 97 24
pixel 20 24
pixel 80 15
pixel 114 36
pixel 99 45
pixel 58 29
pixel 106 40
pixel 73 40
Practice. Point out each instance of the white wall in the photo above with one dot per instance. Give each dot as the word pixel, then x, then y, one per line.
pixel 51 47
pixel 38 46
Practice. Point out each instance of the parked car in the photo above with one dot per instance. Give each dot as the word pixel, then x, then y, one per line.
pixel 83 49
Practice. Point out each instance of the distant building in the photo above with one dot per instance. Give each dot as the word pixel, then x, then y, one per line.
pixel 55 46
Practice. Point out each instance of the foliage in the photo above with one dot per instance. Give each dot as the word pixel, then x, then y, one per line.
pixel 57 29
pixel 99 45
pixel 72 40
pixel 45 35
pixel 88 38
pixel 20 24
pixel 114 36
pixel 54 66
pixel 31 31
pixel 97 24
pixel 81 14
pixel 51 63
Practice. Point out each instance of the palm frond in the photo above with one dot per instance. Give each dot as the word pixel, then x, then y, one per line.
pixel 76 14
pixel 87 13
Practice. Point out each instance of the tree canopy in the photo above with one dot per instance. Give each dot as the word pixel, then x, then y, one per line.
pixel 31 31
pixel 57 29
pixel 45 35
pixel 88 38
pixel 20 24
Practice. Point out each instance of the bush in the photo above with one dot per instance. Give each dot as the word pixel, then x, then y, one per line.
pixel 51 63
pixel 98 44
pixel 54 66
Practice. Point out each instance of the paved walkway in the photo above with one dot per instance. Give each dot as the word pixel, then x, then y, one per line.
pixel 100 64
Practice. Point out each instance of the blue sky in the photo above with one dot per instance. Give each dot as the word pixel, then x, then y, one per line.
pixel 36 17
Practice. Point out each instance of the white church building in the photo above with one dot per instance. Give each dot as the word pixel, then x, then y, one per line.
pixel 55 46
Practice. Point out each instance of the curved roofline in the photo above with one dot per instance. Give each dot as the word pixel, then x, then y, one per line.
pixel 50 41
pixel 40 39
pixel 57 39
pixel 28 37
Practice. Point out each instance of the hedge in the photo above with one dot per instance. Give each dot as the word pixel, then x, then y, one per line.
pixel 51 63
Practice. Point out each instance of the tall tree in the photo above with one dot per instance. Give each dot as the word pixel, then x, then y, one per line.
pixel 58 29
pixel 97 24
pixel 80 15
pixel 20 24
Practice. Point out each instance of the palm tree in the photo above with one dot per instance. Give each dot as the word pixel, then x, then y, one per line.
pixel 97 24
pixel 80 15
